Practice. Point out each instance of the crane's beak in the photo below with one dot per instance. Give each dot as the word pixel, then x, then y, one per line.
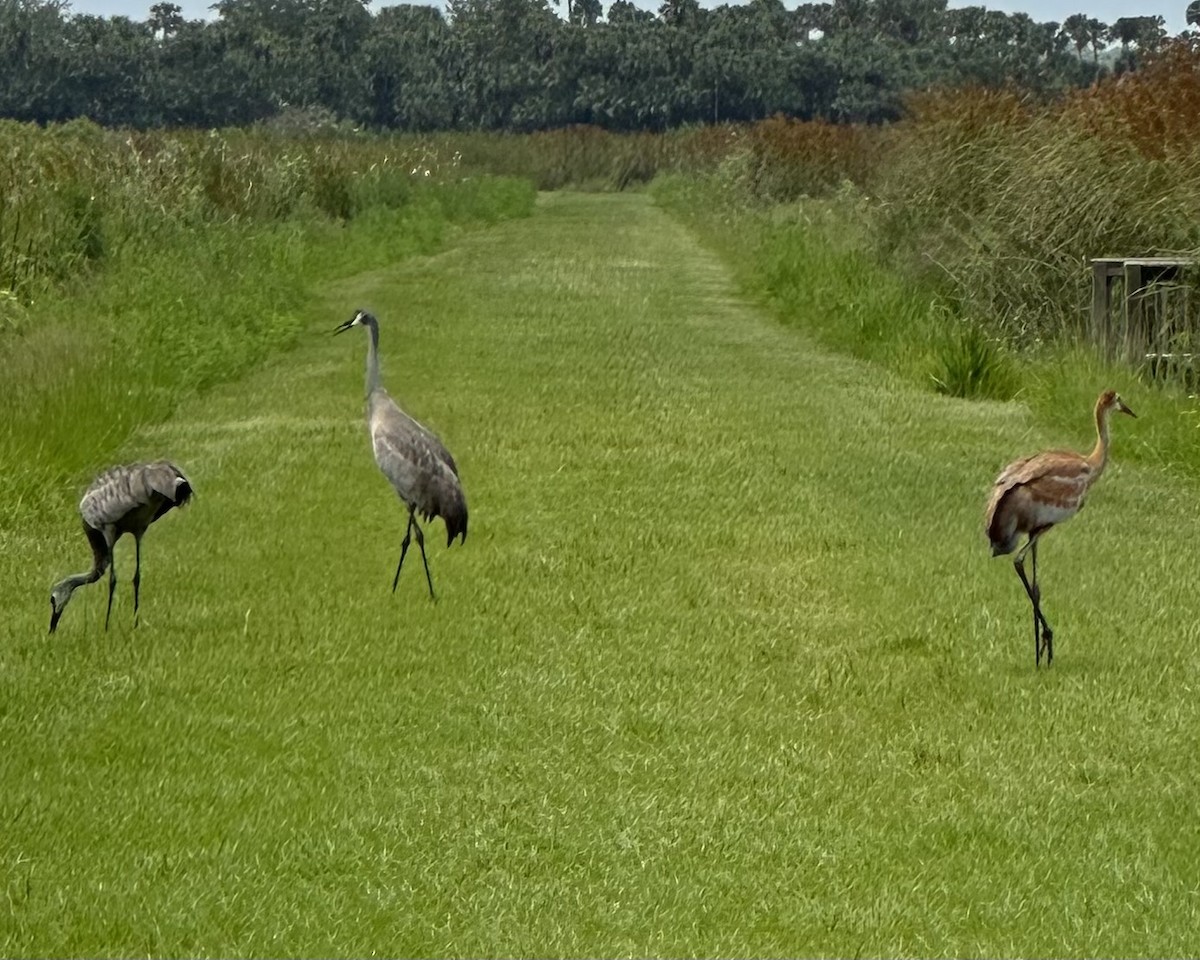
pixel 54 615
pixel 1124 409
pixel 345 326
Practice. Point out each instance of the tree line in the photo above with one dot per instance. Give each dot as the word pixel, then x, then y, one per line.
pixel 522 65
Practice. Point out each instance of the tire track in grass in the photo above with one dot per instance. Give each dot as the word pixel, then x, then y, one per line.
pixel 723 666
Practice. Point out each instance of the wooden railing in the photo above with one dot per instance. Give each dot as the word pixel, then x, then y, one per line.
pixel 1144 311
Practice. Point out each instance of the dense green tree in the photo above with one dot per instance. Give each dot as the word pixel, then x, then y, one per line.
pixel 204 79
pixel 810 17
pixel 408 59
pixel 684 14
pixel 913 22
pixel 1144 32
pixel 1136 35
pixel 110 62
pixel 166 19
pixel 1080 30
pixel 35 69
pixel 624 75
pixel 519 65
pixel 305 52
pixel 625 12
pixel 507 75
pixel 741 61
pixel 328 53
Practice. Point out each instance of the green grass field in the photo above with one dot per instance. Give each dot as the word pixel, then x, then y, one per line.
pixel 723 668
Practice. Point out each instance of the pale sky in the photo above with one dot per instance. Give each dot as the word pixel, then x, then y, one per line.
pixel 1107 10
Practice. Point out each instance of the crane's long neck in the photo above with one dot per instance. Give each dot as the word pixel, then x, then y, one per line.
pixel 77 580
pixel 1098 458
pixel 372 355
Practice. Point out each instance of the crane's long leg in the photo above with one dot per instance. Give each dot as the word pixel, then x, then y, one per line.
pixel 1047 633
pixel 424 560
pixel 112 583
pixel 137 579
pixel 413 525
pixel 1037 637
pixel 1034 598
pixel 1032 589
pixel 403 549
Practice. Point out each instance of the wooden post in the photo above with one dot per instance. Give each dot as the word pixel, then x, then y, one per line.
pixel 1135 311
pixel 1101 306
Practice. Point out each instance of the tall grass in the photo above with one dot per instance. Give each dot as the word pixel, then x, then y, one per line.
pixel 75 195
pixel 1008 202
pixel 582 157
pixel 815 264
pixel 139 269
pixel 954 246
pixel 810 261
pixel 996 200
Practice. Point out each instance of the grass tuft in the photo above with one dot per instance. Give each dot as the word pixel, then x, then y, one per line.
pixel 971 365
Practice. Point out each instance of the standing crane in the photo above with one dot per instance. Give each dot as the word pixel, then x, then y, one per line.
pixel 413 459
pixel 1032 495
pixel 121 500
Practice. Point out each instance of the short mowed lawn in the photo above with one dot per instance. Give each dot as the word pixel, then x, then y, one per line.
pixel 723 667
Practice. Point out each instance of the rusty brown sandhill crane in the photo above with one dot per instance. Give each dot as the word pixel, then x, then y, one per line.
pixel 121 500
pixel 414 460
pixel 1032 495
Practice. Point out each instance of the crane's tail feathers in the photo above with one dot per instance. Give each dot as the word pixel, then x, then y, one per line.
pixel 452 508
pixel 456 527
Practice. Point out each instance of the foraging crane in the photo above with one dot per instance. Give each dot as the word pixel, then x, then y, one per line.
pixel 121 500
pixel 413 459
pixel 1032 495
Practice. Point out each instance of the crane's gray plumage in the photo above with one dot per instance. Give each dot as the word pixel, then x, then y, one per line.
pixel 121 500
pixel 413 459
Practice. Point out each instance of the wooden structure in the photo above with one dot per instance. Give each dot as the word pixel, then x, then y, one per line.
pixel 1148 322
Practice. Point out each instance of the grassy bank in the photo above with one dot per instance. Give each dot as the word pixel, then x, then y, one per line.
pixel 815 264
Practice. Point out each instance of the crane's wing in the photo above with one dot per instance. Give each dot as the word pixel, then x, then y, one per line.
pixel 436 447
pixel 120 490
pixel 384 414
pixel 1057 478
pixel 419 466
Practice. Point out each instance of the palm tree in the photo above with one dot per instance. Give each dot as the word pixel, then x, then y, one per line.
pixel 1077 27
pixel 166 18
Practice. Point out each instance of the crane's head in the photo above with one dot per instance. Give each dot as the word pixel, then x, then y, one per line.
pixel 1110 400
pixel 58 601
pixel 360 319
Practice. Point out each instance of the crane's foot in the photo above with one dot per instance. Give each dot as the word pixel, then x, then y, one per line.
pixel 1044 644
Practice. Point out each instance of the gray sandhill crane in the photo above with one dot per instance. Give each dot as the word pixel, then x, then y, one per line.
pixel 121 500
pixel 1032 495
pixel 413 459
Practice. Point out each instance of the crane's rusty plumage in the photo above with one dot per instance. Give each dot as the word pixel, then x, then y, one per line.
pixel 1034 494
pixel 418 465
pixel 121 500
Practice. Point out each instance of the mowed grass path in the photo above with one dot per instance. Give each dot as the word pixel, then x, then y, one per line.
pixel 724 667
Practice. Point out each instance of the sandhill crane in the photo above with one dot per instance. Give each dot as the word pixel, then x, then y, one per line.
pixel 1032 495
pixel 121 500
pixel 419 467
